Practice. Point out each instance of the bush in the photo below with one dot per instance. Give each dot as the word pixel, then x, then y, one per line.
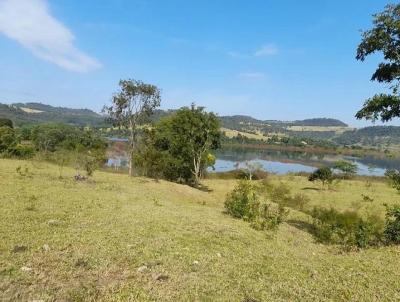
pixel 347 228
pixel 8 139
pixel 392 229
pixel 323 174
pixel 281 195
pixel 394 178
pixel 22 151
pixel 244 202
pixel 5 122
pixel 238 201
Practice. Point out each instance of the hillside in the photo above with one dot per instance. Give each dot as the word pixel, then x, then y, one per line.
pixel 120 239
pixel 34 113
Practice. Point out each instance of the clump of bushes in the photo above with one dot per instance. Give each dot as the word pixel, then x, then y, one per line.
pixel 347 228
pixel 281 195
pixel 394 178
pixel 392 229
pixel 245 202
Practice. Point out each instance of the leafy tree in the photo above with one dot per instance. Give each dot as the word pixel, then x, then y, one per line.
pixel 323 174
pixel 131 107
pixel 346 167
pixel 7 139
pixel 383 38
pixel 179 145
pixel 5 122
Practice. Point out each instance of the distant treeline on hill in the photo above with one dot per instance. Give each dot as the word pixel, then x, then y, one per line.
pixel 37 113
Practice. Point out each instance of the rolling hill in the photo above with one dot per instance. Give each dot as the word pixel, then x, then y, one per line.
pixel 35 113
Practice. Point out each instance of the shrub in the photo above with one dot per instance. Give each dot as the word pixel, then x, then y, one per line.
pixel 392 229
pixel 347 228
pixel 394 178
pixel 22 151
pixel 5 122
pixel 7 139
pixel 238 201
pixel 323 174
pixel 281 195
pixel 244 202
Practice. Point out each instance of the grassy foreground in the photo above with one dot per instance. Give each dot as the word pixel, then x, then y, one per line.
pixel 62 240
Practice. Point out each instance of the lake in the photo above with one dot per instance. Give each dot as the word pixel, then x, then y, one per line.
pixel 282 162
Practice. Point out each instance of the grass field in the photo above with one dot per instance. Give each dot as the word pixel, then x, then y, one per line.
pixel 119 239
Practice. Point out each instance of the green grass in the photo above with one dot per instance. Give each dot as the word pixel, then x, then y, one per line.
pixel 98 234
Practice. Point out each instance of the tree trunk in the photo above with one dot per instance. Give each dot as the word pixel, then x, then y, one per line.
pixel 131 164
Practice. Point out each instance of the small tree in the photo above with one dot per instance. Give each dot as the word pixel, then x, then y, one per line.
pixel 347 168
pixel 323 174
pixel 252 167
pixel 131 107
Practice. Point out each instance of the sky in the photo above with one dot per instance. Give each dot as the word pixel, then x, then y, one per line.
pixel 271 59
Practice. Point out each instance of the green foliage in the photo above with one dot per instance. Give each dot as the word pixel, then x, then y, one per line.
pixel 281 195
pixel 5 122
pixel 178 147
pixel 323 174
pixel 238 202
pixel 347 168
pixel 347 228
pixel 384 38
pixel 392 230
pixel 394 178
pixel 49 114
pixel 244 202
pixel 8 139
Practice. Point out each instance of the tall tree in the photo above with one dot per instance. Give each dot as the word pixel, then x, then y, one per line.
pixel 383 38
pixel 131 106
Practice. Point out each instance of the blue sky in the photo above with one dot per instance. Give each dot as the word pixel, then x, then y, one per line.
pixel 270 59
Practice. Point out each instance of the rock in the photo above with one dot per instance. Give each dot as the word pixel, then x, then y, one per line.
pixel 314 274
pixel 45 248
pixel 159 277
pixel 26 269
pixel 53 222
pixel 19 248
pixel 153 263
pixel 142 269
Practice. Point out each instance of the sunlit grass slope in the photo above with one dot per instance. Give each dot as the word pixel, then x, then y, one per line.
pixel 62 240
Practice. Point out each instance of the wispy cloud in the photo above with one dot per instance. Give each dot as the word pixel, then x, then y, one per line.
pixel 264 51
pixel 251 75
pixel 267 50
pixel 30 23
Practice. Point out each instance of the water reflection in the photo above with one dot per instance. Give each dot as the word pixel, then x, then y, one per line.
pixel 283 162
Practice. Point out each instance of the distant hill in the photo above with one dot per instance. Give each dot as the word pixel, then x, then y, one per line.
pixel 372 136
pixel 318 128
pixel 34 113
pixel 321 122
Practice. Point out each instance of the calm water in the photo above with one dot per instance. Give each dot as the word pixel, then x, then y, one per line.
pixel 283 162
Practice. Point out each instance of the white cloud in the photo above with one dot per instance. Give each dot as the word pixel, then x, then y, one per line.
pixel 267 50
pixel 252 75
pixel 30 23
